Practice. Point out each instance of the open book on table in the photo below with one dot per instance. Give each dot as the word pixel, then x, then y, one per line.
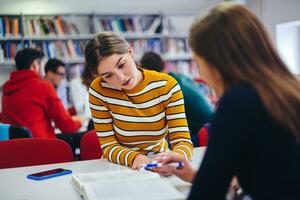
pixel 124 185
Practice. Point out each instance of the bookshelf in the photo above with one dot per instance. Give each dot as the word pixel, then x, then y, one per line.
pixel 65 35
pixel 10 37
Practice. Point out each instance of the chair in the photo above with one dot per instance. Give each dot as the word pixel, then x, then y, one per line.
pixel 203 135
pixel 90 125
pixel 33 151
pixel 8 131
pixel 89 146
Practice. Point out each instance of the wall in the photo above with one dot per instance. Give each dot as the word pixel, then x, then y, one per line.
pixel 273 12
pixel 288 43
pixel 103 6
pixel 280 18
pixel 282 13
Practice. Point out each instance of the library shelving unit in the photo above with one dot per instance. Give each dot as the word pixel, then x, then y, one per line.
pixel 64 36
pixel 10 37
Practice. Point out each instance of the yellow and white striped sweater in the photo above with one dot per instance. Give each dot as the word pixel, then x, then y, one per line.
pixel 130 122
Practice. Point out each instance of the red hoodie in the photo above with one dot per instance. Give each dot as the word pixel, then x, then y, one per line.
pixel 31 102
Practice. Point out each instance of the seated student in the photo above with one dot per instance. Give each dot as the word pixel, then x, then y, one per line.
pixel 55 71
pixel 31 102
pixel 133 109
pixel 79 94
pixel 198 109
pixel 255 133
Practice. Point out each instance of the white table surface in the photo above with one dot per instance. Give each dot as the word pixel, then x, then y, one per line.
pixel 15 186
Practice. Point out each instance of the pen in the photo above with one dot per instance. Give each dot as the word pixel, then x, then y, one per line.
pixel 154 164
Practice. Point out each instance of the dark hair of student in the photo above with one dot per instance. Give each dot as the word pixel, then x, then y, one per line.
pixel 87 77
pixel 26 57
pixel 102 45
pixel 234 42
pixel 52 65
pixel 152 61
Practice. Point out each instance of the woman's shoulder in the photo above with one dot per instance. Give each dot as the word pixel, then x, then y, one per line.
pixel 153 77
pixel 241 90
pixel 243 95
pixel 97 85
pixel 96 82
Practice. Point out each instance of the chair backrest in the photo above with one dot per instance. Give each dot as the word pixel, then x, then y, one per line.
pixel 8 131
pixel 203 135
pixel 4 131
pixel 90 125
pixel 19 132
pixel 90 146
pixel 33 151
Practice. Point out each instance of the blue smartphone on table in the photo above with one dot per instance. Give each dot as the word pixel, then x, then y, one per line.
pixel 49 174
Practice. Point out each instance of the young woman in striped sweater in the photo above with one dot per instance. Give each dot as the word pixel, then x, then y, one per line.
pixel 134 110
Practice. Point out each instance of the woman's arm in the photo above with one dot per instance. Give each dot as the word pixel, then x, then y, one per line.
pixel 179 135
pixel 112 149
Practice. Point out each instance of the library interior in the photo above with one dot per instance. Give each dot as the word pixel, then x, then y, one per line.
pixel 152 99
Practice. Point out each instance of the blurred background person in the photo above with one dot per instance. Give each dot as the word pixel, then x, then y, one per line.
pixel 79 96
pixel 55 71
pixel 32 102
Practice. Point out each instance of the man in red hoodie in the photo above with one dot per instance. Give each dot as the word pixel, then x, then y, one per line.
pixel 31 102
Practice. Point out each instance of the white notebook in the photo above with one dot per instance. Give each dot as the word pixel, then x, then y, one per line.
pixel 124 185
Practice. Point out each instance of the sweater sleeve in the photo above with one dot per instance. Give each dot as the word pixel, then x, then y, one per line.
pixel 103 123
pixel 58 114
pixel 179 134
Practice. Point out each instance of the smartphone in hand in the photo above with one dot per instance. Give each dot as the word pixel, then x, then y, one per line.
pixel 49 174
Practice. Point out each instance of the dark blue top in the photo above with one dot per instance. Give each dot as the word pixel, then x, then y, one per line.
pixel 247 142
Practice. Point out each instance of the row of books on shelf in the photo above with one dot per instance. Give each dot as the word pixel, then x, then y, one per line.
pixel 50 26
pixel 10 26
pixel 60 49
pixel 8 51
pixel 188 68
pixel 136 24
pixel 171 48
pixel 176 46
pixel 43 25
pixel 74 49
pixel 61 25
pixel 143 45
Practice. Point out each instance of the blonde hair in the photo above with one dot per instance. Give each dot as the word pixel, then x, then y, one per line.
pixel 234 42
pixel 102 45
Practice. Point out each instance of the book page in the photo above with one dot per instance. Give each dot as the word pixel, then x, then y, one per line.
pixel 113 176
pixel 148 189
pixel 124 185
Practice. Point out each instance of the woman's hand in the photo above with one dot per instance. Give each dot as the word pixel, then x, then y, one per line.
pixel 186 173
pixel 139 161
